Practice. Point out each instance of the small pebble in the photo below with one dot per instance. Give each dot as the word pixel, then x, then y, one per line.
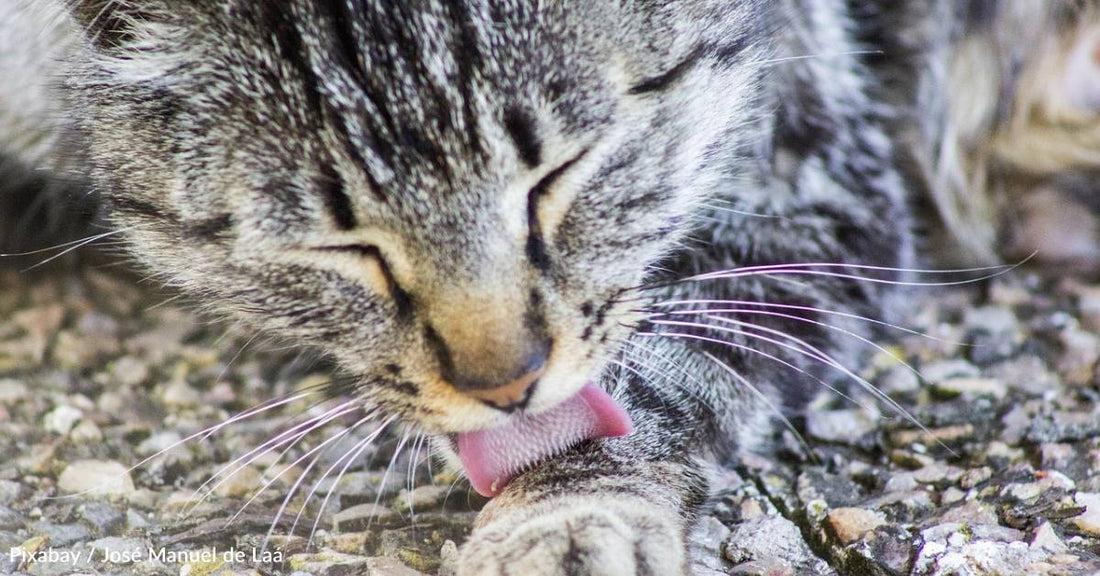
pixel 850 524
pixel 1089 521
pixel 98 477
pixel 62 419
pixel 972 387
pixel 1046 538
pixel 12 391
pixel 86 432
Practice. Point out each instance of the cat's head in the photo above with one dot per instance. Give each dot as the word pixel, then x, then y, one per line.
pixel 456 199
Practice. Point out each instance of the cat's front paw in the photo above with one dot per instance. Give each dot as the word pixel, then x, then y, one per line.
pixel 586 537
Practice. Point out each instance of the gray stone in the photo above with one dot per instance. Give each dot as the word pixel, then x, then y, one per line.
pixel 10 519
pixel 86 432
pixel 62 535
pixel 130 371
pixel 1047 539
pixel 952 531
pixel 899 380
pixel 448 555
pixel 973 512
pixel 886 551
pixel 901 482
pixel 841 426
pixel 421 498
pixel 1026 373
pixel 102 518
pixel 11 491
pixel 706 544
pixel 360 517
pixel 1063 427
pixel 135 521
pixel 975 476
pixel 328 563
pixel 119 551
pixel 773 540
pixel 180 394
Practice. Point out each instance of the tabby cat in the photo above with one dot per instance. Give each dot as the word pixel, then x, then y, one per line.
pixel 590 246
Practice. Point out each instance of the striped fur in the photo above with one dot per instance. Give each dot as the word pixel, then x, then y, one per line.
pixel 404 184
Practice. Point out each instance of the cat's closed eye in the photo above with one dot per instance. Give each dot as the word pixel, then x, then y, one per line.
pixel 379 270
pixel 541 223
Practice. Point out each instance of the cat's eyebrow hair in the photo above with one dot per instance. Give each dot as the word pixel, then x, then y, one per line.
pixel 663 81
pixel 522 129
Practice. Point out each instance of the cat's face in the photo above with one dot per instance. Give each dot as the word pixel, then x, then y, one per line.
pixel 445 196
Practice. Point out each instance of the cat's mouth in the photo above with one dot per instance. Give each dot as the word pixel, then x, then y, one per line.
pixel 493 457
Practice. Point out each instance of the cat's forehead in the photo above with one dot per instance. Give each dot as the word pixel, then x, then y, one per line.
pixel 447 99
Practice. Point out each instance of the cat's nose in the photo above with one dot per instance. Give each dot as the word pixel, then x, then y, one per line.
pixel 514 395
pixel 491 380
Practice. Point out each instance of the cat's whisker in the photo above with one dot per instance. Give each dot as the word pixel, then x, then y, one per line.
pixel 995 270
pixel 292 436
pixel 777 274
pixel 77 243
pixel 320 424
pixel 767 402
pixel 751 350
pixel 802 347
pixel 319 450
pixel 351 456
pixel 450 489
pixel 297 484
pixel 410 475
pixel 74 247
pixel 754 303
pixel 818 354
pixel 633 349
pixel 386 474
pixel 311 390
pixel 709 313
pixel 163 303
pixel 822 55
pixel 743 212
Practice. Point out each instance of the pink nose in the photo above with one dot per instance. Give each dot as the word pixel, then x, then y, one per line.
pixel 511 396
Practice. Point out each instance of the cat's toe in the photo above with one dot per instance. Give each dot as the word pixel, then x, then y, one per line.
pixel 611 540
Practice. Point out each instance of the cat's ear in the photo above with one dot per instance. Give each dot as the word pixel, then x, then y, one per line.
pixel 109 23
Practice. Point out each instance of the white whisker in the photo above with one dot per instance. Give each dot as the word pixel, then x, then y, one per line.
pixel 351 456
pixel 294 489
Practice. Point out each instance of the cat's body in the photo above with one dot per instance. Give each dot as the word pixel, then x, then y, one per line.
pixel 476 207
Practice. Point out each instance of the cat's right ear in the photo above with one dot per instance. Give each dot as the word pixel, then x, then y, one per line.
pixel 109 23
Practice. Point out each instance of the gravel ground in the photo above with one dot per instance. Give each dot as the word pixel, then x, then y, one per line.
pixel 99 372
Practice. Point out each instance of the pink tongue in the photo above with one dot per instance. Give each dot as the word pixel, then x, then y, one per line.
pixel 493 457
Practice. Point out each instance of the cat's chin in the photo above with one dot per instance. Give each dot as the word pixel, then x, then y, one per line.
pixel 493 457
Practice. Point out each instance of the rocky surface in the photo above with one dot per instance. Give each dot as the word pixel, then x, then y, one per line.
pixel 108 391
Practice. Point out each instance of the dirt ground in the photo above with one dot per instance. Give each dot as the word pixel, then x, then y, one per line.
pixel 108 382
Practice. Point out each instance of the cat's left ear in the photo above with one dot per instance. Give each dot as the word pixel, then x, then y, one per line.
pixel 110 23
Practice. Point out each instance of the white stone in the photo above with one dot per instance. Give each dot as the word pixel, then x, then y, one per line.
pixel 97 477
pixel 62 419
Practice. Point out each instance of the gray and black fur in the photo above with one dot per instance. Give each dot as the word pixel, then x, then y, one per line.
pixel 434 192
